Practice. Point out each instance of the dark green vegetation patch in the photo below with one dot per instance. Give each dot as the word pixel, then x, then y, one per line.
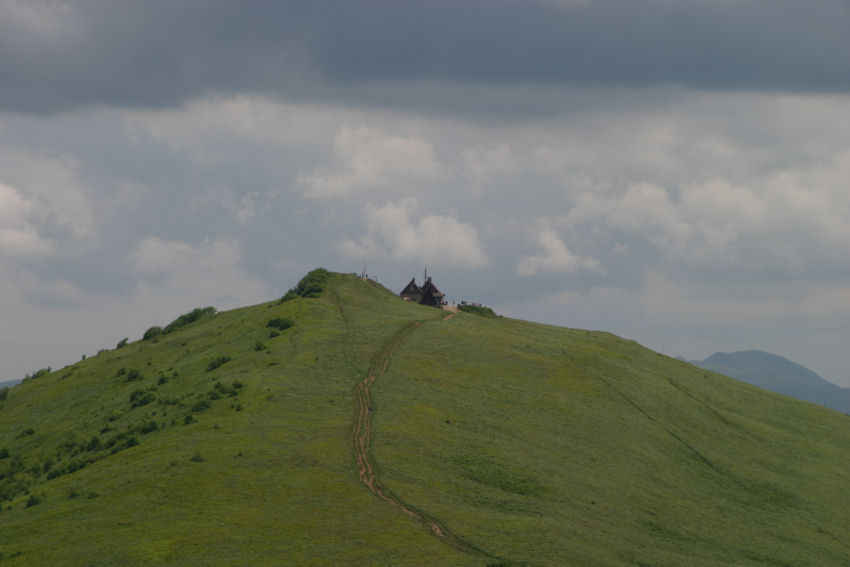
pixel 311 285
pixel 533 445
pixel 481 310
pixel 192 316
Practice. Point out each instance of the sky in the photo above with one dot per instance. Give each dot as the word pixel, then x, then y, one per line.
pixel 672 171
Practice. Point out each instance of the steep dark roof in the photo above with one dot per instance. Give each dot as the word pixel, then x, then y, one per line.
pixel 411 289
pixel 429 286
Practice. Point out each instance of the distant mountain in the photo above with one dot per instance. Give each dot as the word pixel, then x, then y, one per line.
pixel 778 374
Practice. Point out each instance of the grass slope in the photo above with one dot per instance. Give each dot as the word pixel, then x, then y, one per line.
pixel 535 445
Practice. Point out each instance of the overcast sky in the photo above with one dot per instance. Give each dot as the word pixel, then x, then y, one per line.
pixel 676 172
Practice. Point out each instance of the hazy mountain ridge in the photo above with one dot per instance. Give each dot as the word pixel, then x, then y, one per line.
pixel 778 374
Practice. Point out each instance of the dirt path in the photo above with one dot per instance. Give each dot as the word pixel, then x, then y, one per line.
pixel 361 439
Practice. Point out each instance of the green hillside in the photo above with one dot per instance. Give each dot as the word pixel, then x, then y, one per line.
pixel 376 432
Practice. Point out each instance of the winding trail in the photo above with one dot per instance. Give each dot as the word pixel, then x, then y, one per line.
pixel 361 440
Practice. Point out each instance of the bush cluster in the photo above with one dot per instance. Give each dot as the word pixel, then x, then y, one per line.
pixel 141 397
pixel 130 375
pixel 25 433
pixel 220 390
pixel 311 285
pixel 477 310
pixel 192 316
pixel 37 374
pixel 215 363
pixel 152 333
pixel 280 323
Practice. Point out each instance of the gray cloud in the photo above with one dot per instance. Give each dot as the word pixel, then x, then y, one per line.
pixel 66 55
pixel 674 172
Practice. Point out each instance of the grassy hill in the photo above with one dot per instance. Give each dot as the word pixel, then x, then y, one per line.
pixel 487 441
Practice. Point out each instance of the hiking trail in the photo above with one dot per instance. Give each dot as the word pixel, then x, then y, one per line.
pixel 361 438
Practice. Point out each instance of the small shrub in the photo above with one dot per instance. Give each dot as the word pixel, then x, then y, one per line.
pixel 134 374
pixel 148 427
pixel 131 442
pixel 152 333
pixel 197 458
pixel 201 405
pixel 4 393
pixel 4 453
pixel 258 346
pixel 141 398
pixel 34 500
pixel 218 362
pixel 162 380
pixel 280 323
pixel 94 444
pixel 25 433
pixel 222 390
pixel 122 343
pixel 273 334
pixel 189 419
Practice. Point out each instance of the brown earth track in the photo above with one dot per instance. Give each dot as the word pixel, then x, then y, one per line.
pixel 361 438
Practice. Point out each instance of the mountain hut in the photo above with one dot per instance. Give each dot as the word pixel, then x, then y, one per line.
pixel 411 292
pixel 428 294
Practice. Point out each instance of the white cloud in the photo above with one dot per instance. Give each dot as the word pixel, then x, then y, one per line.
pixel 482 164
pixel 366 158
pixel 556 257
pixel 208 273
pixel 789 221
pixel 46 19
pixel 52 183
pixel 247 208
pixel 19 235
pixel 218 129
pixel 435 239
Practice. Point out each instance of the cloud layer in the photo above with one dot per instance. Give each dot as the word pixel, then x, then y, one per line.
pixel 71 54
pixel 673 172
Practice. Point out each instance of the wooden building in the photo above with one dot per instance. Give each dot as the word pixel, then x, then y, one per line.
pixel 411 292
pixel 428 294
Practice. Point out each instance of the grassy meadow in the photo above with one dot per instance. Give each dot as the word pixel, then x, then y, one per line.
pixel 227 442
